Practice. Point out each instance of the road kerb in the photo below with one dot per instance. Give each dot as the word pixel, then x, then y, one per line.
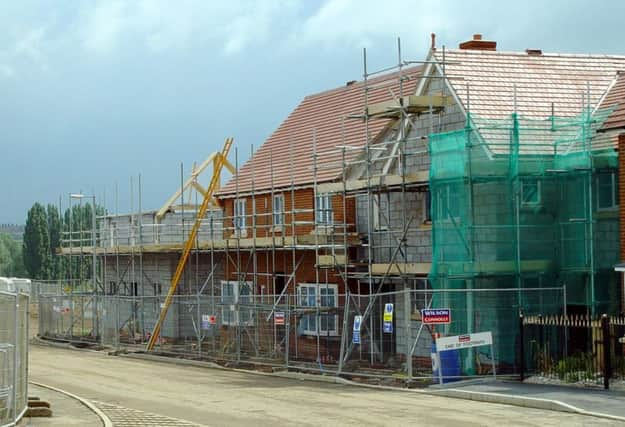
pixel 105 420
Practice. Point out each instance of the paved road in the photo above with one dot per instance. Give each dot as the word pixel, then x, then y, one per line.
pixel 217 398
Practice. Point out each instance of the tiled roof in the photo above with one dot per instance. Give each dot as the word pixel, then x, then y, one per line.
pixel 484 81
pixel 290 148
pixel 615 98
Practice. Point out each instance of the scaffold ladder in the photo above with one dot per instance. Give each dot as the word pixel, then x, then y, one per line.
pixel 208 195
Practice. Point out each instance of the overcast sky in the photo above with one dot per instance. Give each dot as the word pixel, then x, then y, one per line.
pixel 94 92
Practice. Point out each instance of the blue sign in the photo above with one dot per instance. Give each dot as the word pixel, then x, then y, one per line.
pixel 387 326
pixel 356 329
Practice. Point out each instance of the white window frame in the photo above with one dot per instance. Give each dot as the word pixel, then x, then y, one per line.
pixel 614 186
pixel 539 200
pixel 318 289
pixel 239 219
pixel 230 316
pixel 324 216
pixel 375 213
pixel 277 207
pixel 445 215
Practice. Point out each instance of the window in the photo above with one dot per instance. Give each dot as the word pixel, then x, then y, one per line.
pixel 239 214
pixel 530 192
pixel 278 210
pixel 607 191
pixel 322 296
pixel 323 209
pixel 158 289
pixel 235 296
pixel 375 211
pixel 427 207
pixel 112 288
pixel 448 202
pixel 132 289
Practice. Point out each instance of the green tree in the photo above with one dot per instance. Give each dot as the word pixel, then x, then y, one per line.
pixel 6 260
pixel 54 233
pixel 11 262
pixel 36 244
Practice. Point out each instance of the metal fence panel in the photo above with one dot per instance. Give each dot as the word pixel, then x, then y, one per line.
pixel 13 356
pixel 312 331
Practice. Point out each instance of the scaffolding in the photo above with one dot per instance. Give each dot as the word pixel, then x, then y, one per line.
pixel 489 219
pixel 514 205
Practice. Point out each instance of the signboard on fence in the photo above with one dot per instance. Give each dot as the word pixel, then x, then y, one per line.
pixel 208 320
pixel 458 342
pixel 278 318
pixel 205 324
pixel 436 316
pixel 464 341
pixel 388 318
pixel 356 329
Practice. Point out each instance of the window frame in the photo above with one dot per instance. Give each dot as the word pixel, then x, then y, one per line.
pixel 614 191
pixel 239 218
pixel 317 295
pixel 235 319
pixel 539 197
pixel 278 214
pixel 324 213
pixel 427 207
pixel 446 216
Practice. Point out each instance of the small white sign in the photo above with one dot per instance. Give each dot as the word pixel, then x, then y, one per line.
pixel 464 341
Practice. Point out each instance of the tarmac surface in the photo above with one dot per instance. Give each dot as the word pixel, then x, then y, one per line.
pixel 141 393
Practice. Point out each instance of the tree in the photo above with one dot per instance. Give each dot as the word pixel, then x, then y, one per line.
pixel 54 233
pixel 11 262
pixel 36 244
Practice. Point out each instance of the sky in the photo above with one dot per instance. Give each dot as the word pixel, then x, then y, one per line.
pixel 95 93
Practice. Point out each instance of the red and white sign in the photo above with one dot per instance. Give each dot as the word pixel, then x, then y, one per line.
pixel 278 318
pixel 436 316
pixel 212 319
pixel 464 341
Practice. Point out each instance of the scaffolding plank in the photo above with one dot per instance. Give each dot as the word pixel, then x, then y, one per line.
pixel 383 181
pixel 411 104
pixel 421 268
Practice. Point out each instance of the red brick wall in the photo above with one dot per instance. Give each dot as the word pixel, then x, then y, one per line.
pixel 621 196
pixel 304 200
pixel 283 261
pixel 621 183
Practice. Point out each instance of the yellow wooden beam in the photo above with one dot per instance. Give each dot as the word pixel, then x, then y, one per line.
pixel 189 243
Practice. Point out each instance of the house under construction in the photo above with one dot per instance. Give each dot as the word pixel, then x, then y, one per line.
pixel 476 180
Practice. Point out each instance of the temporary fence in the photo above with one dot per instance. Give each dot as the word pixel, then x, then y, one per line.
pixel 13 353
pixel 573 349
pixel 317 330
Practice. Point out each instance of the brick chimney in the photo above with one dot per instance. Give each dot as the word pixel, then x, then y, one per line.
pixel 478 44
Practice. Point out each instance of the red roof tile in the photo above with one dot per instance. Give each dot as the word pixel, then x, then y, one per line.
pixel 290 148
pixel 615 98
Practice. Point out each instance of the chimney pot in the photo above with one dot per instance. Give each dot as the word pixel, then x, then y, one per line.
pixel 477 43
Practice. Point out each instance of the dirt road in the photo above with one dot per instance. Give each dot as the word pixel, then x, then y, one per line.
pixel 219 398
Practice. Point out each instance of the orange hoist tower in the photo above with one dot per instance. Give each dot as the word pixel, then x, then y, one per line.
pixel 208 195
